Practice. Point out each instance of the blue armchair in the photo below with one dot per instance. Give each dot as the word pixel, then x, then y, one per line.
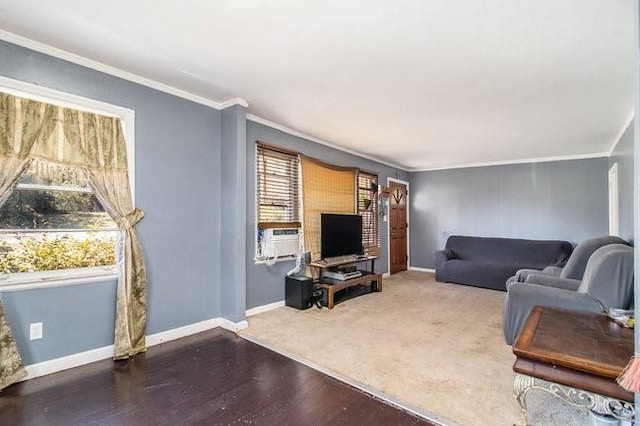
pixel 607 283
pixel 575 266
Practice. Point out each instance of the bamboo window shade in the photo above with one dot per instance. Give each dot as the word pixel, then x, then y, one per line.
pixel 325 189
pixel 277 187
pixel 368 209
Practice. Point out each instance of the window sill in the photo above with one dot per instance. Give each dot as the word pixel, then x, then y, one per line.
pixel 50 279
pixel 272 261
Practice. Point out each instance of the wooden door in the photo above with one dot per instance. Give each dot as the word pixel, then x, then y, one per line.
pixel 398 227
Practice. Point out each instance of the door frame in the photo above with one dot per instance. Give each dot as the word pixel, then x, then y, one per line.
pixel 404 182
pixel 614 201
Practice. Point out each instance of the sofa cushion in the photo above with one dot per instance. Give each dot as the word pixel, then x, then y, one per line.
pixel 481 274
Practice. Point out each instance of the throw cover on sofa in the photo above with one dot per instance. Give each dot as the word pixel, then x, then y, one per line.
pixel 489 262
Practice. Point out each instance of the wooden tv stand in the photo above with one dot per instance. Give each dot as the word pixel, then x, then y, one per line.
pixel 332 286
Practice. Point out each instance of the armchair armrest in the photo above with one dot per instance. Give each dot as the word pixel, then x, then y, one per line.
pixel 553 270
pixel 522 297
pixel 556 282
pixel 522 275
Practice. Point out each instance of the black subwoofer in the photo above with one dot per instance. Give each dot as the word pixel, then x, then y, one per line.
pixel 298 292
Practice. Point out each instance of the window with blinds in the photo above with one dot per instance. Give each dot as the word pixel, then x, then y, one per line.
pixel 277 188
pixel 368 209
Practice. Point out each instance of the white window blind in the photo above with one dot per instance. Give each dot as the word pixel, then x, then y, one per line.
pixel 368 209
pixel 277 187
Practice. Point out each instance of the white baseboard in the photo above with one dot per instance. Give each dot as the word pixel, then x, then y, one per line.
pixel 233 326
pixel 187 330
pixel 415 268
pixel 75 360
pixel 264 308
pixel 386 275
pixel 69 361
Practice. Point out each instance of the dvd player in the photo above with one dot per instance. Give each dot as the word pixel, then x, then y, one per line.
pixel 341 276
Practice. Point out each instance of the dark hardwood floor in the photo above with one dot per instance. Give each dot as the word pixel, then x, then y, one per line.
pixel 213 378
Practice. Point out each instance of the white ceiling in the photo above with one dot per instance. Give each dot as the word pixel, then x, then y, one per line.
pixel 420 84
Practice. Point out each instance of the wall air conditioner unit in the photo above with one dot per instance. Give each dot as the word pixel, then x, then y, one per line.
pixel 279 242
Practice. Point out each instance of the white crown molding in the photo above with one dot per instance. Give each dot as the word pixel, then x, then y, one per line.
pixel 299 134
pixel 105 352
pixel 521 161
pixel 117 72
pixel 264 308
pixel 626 124
pixel 234 101
pixel 108 69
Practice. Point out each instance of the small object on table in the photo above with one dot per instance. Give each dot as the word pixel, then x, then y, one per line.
pixel 622 317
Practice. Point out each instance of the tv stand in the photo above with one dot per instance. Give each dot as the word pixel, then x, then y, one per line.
pixel 332 286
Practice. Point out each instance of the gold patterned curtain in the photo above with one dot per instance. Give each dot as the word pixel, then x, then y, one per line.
pixel 11 368
pixel 32 130
pixel 23 124
pixel 325 189
pixel 100 138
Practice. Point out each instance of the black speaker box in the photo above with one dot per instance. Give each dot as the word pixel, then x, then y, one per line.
pixel 298 291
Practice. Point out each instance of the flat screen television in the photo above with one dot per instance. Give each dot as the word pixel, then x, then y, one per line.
pixel 340 235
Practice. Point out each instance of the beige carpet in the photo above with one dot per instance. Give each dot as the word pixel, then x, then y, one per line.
pixel 437 347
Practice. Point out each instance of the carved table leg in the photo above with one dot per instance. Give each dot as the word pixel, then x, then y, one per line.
pixel 521 385
pixel 599 404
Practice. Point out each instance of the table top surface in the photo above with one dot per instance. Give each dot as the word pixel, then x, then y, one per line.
pixel 582 341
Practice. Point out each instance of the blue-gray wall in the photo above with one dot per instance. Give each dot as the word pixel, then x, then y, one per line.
pixel 200 212
pixel 565 200
pixel 623 155
pixel 177 184
pixel 265 284
pixel 234 214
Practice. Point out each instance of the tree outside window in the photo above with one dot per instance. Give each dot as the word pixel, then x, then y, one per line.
pixel 53 221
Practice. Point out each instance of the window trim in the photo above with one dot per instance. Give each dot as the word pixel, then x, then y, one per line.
pixel 57 278
pixel 61 277
pixel 374 207
pixel 61 188
pixel 257 259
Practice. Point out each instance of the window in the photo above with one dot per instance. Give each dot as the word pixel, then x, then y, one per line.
pixel 327 188
pixel 53 230
pixel 52 221
pixel 277 192
pixel 368 209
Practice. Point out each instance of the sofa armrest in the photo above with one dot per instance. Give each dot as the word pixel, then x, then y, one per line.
pixel 445 254
pixel 440 258
pixel 556 282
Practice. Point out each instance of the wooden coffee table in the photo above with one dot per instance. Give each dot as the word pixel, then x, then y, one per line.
pixel 575 356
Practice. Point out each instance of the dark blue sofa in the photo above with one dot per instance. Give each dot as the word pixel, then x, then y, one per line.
pixel 489 262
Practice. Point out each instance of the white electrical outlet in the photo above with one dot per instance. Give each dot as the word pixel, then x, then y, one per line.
pixel 35 331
